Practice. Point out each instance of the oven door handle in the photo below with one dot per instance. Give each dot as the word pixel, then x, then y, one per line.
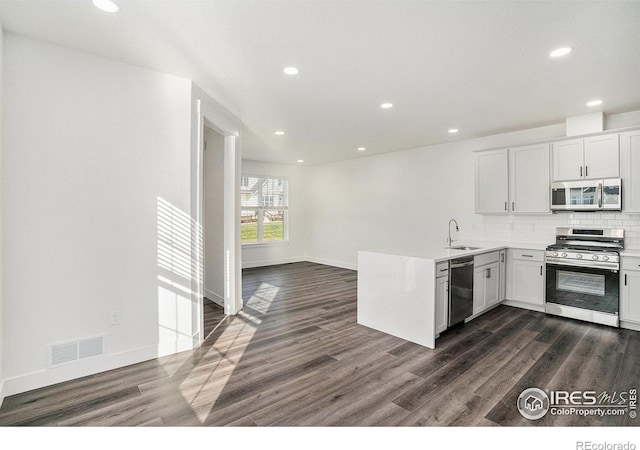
pixel 592 265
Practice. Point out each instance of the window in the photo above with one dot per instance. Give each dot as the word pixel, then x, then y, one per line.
pixel 265 207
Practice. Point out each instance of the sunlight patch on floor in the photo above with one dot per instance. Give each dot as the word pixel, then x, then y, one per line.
pixel 263 297
pixel 202 389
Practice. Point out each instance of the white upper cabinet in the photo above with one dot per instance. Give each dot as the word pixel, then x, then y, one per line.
pixel 630 165
pixel 492 182
pixel 513 181
pixel 529 179
pixel 586 158
pixel 568 159
pixel 602 156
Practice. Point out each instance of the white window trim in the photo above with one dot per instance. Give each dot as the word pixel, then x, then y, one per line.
pixel 260 210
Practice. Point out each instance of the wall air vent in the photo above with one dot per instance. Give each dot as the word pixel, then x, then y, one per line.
pixel 64 353
pixel 75 350
pixel 90 347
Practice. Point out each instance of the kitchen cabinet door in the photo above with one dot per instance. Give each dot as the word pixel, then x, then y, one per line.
pixel 492 284
pixel 602 156
pixel 630 170
pixel 568 158
pixel 529 179
pixel 502 280
pixel 491 182
pixel 442 303
pixel 630 296
pixel 479 286
pixel 528 282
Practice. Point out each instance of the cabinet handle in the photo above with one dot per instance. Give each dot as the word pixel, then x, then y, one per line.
pixel 625 279
pixel 501 257
pixel 586 171
pixel 443 270
pixel 505 206
pixel 580 170
pixel 513 206
pixel 528 256
pixel 540 270
pixel 489 272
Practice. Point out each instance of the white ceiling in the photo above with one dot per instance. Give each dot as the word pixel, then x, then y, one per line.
pixel 481 66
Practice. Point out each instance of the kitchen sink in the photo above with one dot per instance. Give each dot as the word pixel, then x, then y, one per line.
pixel 463 247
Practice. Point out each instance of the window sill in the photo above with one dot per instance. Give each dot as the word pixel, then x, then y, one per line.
pixel 263 244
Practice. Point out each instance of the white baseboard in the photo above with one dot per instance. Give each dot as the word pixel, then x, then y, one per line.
pixel 215 298
pixel 330 262
pixel 630 325
pixel 90 366
pixel 2 394
pixel 524 305
pixel 272 262
pixel 276 261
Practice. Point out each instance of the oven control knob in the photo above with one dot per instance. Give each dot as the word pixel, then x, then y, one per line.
pixel 579 256
pixel 555 253
pixel 563 254
pixel 594 257
pixel 605 258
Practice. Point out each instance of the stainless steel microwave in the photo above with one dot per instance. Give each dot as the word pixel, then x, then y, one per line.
pixel 587 195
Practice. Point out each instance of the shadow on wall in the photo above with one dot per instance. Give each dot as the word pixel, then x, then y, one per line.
pixel 179 237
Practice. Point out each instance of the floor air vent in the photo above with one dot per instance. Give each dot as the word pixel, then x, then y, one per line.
pixel 76 350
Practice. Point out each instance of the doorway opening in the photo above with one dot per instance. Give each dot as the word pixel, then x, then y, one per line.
pixel 213 227
pixel 218 235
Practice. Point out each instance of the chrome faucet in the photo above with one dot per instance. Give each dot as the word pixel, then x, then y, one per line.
pixel 449 240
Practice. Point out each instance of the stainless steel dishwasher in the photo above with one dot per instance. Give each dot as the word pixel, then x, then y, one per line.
pixel 460 289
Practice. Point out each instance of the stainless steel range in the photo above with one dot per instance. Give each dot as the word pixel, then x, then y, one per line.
pixel 583 279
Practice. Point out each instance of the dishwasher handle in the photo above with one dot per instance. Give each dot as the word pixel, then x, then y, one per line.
pixel 459 265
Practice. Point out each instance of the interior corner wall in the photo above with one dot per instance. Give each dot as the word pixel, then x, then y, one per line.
pixel 214 215
pixel 258 255
pixel 96 204
pixel 1 271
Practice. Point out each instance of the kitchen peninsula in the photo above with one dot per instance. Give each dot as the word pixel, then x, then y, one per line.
pixel 402 293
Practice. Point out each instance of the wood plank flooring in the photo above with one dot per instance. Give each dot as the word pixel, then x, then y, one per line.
pixel 295 356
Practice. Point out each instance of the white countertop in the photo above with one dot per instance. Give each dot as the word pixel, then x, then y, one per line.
pixel 444 254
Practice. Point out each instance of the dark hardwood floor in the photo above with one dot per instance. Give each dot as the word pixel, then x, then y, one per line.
pixel 295 356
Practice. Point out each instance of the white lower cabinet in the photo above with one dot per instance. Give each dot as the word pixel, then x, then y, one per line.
pixel 502 282
pixel 630 290
pixel 486 275
pixel 442 303
pixel 526 282
pixel 442 296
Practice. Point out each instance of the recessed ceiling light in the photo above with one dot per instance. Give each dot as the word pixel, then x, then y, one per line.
pixel 560 52
pixel 280 133
pixel 361 149
pixel 594 103
pixel 301 160
pixel 291 70
pixel 386 105
pixel 453 130
pixel 106 5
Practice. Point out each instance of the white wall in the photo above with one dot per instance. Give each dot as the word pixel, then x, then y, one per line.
pixel 405 200
pixel 1 271
pixel 214 215
pixel 293 250
pixel 96 169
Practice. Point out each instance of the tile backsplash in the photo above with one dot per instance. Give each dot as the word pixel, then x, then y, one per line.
pixel 542 228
